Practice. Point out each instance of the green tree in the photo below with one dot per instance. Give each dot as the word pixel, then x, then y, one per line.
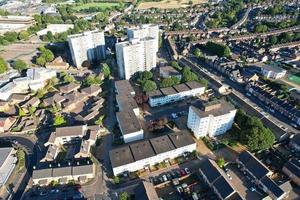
pixel 20 65
pixel 220 50
pixel 41 61
pixel 116 180
pixel 124 196
pixel 188 75
pixel 260 28
pixel 198 53
pixel 149 86
pixel 68 78
pixel 204 82
pixel 49 56
pixel 3 65
pixel 221 162
pixel 99 121
pixel 50 36
pixel 59 120
pixel 11 36
pixel 105 70
pixel 23 35
pixel 146 75
pixel 175 65
pixel 273 39
pixel 91 80
pixel 168 82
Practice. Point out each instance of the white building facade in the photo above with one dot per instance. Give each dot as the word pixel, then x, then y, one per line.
pixel 135 56
pixel 87 46
pixel 145 31
pixel 212 123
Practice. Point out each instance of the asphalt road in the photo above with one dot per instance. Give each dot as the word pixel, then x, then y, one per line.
pixel 31 160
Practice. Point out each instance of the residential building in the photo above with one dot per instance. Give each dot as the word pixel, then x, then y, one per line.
pixel 145 191
pixel 87 46
pixel 128 111
pixel 260 174
pixel 169 71
pixel 272 70
pixel 135 56
pixel 272 98
pixel 295 142
pixel 8 76
pixel 143 154
pixel 15 23
pixel 78 172
pixel 55 28
pixel 6 123
pixel 130 131
pixel 292 169
pixel 176 93
pixel 218 181
pixel 86 135
pixel 57 63
pixel 8 162
pixel 212 118
pixel 35 79
pixel 144 31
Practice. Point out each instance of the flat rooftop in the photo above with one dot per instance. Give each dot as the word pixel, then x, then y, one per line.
pixel 155 94
pixel 222 109
pixel 128 122
pixel 142 150
pixel 168 91
pixel 162 144
pixel 123 87
pixel 121 156
pixel 181 139
pixel 181 87
pixel 194 85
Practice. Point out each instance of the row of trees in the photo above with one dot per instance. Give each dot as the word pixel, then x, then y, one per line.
pixel 18 64
pixel 45 56
pixel 253 134
pixel 147 84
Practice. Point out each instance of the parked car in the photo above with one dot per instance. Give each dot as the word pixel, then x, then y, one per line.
pixel 182 172
pixel 179 189
pixel 165 178
pixel 187 170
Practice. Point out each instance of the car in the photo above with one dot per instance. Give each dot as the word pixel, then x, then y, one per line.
pixel 43 193
pixel 182 172
pixel 161 179
pixel 226 169
pixel 179 189
pixel 177 172
pixel 187 170
pixel 252 189
pixel 54 190
pixel 173 174
pixel 174 115
pixel 165 178
pixel 169 176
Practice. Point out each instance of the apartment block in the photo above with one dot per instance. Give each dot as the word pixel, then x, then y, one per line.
pixel 176 93
pixel 145 153
pixel 128 112
pixel 87 46
pixel 272 70
pixel 213 118
pixel 144 31
pixel 135 56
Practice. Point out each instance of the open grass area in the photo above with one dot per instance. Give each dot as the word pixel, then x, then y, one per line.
pixel 168 4
pixel 100 5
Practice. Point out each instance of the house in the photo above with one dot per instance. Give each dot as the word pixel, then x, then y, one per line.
pixel 6 123
pixel 78 172
pixel 295 142
pixel 92 90
pixel 292 169
pixel 57 63
pixel 272 70
pixel 18 98
pixel 260 175
pixel 33 102
pixel 86 135
pixel 4 106
pixel 218 181
pixel 55 99
pixel 145 191
pixel 68 88
pixel 72 100
pixel 145 153
pixel 8 162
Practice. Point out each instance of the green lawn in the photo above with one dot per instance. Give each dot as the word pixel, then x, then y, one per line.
pixel 102 5
pixel 21 160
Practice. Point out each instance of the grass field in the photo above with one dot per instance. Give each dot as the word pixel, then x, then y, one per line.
pixel 102 5
pixel 168 4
